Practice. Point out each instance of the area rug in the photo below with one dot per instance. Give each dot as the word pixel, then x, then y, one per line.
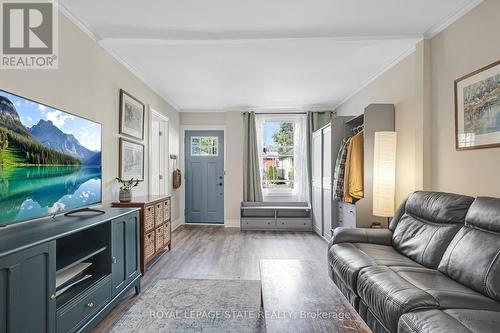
pixel 182 305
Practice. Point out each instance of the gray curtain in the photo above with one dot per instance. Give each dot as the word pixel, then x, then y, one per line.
pixel 319 119
pixel 252 189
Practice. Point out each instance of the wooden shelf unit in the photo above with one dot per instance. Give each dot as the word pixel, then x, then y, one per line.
pixel 156 226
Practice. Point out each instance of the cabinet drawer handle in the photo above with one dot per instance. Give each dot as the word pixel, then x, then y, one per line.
pixel 114 260
pixel 90 305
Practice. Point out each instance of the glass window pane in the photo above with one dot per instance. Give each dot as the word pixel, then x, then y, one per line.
pixel 277 155
pixel 204 146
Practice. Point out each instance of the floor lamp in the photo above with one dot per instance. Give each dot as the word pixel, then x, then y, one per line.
pixel 384 175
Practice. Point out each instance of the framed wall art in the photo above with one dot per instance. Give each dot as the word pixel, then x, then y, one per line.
pixel 131 160
pixel 131 116
pixel 477 109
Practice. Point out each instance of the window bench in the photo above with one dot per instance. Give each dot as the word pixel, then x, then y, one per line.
pixel 284 216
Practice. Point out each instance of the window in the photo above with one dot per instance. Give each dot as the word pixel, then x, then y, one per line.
pixel 204 146
pixel 277 156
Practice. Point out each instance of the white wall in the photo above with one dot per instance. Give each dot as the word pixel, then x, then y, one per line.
pixel 467 45
pixel 87 83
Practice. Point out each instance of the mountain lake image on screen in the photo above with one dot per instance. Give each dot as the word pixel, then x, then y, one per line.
pixel 50 160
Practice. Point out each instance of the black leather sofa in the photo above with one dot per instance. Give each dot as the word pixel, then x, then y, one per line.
pixel 436 269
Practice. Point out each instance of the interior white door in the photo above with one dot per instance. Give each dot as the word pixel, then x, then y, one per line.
pixel 159 156
pixel 317 180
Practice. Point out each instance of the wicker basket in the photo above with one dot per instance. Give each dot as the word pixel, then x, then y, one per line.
pixel 149 219
pixel 160 238
pixel 159 214
pixel 149 245
pixel 167 233
pixel 166 211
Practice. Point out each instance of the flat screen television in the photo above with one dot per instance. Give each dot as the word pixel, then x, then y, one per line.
pixel 50 160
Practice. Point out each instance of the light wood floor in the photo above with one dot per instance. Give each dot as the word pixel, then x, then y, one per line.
pixel 215 252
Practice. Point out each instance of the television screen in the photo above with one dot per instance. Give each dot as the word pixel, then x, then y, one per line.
pixel 50 160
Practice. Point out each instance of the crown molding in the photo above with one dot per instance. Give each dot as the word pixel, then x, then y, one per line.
pixel 446 22
pixel 63 9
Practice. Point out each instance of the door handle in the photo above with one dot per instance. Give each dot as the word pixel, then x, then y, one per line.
pixel 220 184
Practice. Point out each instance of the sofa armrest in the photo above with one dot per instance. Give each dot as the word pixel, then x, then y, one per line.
pixel 361 235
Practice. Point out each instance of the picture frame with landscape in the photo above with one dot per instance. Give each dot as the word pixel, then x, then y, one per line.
pixel 132 113
pixel 477 109
pixel 131 160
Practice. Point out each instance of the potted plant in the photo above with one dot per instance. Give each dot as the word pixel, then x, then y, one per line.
pixel 126 187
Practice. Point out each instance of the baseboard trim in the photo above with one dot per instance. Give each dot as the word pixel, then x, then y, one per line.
pixel 177 223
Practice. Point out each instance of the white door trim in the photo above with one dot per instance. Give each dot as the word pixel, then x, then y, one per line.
pixel 182 166
pixel 152 112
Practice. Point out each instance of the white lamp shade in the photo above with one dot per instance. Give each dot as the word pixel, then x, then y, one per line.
pixel 384 173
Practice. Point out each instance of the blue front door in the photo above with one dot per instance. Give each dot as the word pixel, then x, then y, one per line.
pixel 204 176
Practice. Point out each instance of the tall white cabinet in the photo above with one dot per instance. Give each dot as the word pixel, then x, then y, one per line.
pixel 317 181
pixel 327 212
pixel 325 145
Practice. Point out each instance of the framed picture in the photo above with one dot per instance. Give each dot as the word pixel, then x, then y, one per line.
pixel 477 109
pixel 131 116
pixel 131 160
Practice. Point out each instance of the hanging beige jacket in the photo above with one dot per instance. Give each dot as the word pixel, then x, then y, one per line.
pixel 354 170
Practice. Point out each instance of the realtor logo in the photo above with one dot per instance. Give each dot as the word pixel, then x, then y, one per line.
pixel 29 35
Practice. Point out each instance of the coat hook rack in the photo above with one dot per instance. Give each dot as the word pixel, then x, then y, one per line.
pixel 358 128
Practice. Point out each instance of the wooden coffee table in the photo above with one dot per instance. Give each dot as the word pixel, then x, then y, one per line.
pixel 298 298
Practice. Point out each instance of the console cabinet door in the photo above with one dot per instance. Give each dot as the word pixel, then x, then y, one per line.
pixel 27 281
pixel 125 251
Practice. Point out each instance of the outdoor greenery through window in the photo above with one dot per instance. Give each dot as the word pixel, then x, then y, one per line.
pixel 277 155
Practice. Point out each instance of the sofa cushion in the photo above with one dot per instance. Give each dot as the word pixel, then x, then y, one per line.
pixel 347 259
pixel 472 258
pixel 449 321
pixel 428 224
pixel 448 293
pixel 388 295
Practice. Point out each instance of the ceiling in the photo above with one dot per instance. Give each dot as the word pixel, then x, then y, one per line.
pixel 212 55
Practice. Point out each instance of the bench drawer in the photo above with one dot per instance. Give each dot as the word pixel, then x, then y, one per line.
pixel 294 223
pixel 261 223
pixel 71 316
